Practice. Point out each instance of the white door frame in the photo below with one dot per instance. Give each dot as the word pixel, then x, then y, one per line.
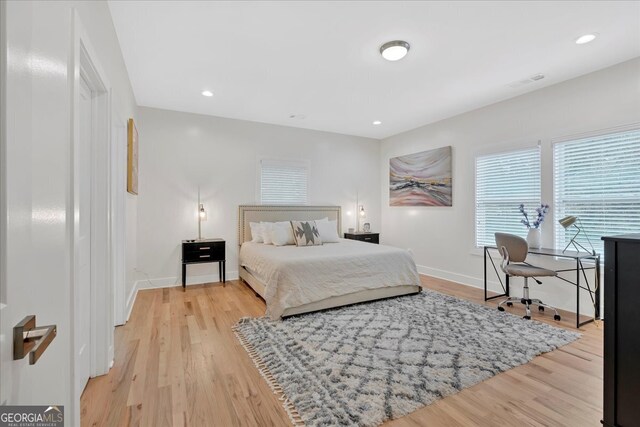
pixel 84 60
pixel 118 208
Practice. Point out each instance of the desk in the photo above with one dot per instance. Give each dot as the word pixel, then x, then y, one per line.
pixel 580 269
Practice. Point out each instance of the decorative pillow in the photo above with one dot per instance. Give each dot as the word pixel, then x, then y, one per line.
pixel 256 232
pixel 306 233
pixel 328 230
pixel 266 232
pixel 282 234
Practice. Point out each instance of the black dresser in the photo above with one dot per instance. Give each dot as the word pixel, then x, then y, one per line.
pixel 364 237
pixel 622 330
pixel 202 251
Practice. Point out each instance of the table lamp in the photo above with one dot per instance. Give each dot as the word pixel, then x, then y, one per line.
pixel 202 216
pixel 360 213
pixel 572 220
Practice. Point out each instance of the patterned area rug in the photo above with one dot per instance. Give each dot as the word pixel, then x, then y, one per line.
pixel 367 363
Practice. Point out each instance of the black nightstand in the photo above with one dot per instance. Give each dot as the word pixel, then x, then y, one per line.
pixel 202 251
pixel 364 237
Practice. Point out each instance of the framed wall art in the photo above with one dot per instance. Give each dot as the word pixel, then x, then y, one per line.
pixel 132 158
pixel 421 179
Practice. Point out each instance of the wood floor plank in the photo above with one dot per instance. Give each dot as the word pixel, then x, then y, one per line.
pixel 178 363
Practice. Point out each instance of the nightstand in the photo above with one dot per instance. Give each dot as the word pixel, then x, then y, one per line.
pixel 364 237
pixel 202 251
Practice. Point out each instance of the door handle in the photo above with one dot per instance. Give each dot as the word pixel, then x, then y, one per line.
pixel 27 338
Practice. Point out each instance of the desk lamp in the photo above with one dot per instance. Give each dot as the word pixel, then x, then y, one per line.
pixel 567 222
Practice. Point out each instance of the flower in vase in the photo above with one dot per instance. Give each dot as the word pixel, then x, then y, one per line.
pixel 541 212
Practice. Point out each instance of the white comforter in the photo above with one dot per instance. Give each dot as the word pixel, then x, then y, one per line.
pixel 300 275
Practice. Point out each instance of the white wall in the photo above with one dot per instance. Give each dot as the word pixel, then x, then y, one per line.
pixel 37 185
pixel 179 151
pixel 443 238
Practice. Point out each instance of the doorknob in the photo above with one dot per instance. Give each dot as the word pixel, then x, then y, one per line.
pixel 27 338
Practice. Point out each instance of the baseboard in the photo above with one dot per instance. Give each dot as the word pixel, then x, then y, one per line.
pixel 475 282
pixel 131 300
pixel 169 282
pixel 462 279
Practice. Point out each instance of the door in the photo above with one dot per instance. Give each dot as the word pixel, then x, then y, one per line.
pixel 48 204
pixel 5 356
pixel 35 217
pixel 83 284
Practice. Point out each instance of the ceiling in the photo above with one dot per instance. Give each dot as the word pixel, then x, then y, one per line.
pixel 319 61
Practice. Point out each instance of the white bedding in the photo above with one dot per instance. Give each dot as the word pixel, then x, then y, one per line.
pixel 300 275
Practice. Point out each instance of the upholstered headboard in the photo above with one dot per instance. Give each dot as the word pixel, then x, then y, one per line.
pixel 273 213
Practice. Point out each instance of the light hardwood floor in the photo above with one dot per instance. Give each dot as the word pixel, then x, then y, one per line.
pixel 178 363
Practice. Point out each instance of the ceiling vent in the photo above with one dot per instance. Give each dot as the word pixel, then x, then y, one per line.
pixel 531 79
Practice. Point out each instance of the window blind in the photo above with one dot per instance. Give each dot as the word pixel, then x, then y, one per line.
pixel 597 179
pixel 283 182
pixel 503 182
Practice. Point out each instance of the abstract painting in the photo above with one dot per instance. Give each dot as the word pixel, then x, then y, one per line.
pixel 421 179
pixel 132 158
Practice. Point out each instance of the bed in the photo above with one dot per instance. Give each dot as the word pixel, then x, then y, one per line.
pixel 294 280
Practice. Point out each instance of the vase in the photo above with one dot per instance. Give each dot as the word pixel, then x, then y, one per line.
pixel 534 238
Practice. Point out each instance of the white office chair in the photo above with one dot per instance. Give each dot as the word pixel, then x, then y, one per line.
pixel 514 249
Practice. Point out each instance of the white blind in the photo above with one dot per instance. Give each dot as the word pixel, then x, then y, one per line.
pixel 283 182
pixel 503 182
pixel 597 179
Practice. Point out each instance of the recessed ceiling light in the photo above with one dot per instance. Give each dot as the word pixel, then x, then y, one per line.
pixel 377 122
pixel 586 38
pixel 207 93
pixel 394 50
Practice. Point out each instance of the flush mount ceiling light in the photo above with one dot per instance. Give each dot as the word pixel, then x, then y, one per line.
pixel 377 122
pixel 394 50
pixel 586 38
pixel 207 93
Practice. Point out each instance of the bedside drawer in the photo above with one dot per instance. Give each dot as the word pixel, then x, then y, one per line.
pixel 364 237
pixel 371 239
pixel 203 252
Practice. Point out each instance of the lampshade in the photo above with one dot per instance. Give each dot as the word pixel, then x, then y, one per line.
pixel 568 221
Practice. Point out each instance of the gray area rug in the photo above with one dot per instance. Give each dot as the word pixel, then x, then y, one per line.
pixel 367 363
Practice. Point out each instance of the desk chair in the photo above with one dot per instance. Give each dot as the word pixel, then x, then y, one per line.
pixel 514 249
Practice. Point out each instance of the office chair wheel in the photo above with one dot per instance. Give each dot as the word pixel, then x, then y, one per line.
pixel 500 308
pixel 556 317
pixel 540 308
pixel 509 304
pixel 526 317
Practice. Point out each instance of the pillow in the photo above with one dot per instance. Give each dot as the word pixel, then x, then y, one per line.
pixel 256 232
pixel 266 232
pixel 306 233
pixel 282 234
pixel 328 231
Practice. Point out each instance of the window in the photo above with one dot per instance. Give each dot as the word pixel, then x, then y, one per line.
pixel 597 179
pixel 503 182
pixel 283 182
